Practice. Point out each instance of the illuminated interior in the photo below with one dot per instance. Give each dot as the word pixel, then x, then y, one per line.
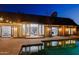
pixel 54 31
pixel 34 30
pixel 6 31
pixel 71 30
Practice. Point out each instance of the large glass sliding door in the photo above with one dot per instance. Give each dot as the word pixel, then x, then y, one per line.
pixel 54 31
pixel 34 30
pixel 71 31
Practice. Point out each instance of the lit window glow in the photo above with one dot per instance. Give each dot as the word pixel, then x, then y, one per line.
pixel 60 43
pixel 60 29
pixel 34 30
pixel 68 42
pixel 1 19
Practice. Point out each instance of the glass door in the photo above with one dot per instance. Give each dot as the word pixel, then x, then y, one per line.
pixel 6 31
pixel 54 31
pixel 33 30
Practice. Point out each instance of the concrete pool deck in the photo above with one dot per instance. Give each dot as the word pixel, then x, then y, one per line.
pixel 12 46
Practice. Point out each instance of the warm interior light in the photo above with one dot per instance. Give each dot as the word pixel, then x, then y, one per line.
pixel 60 43
pixel 15 28
pixel 10 22
pixel 60 29
pixel 48 43
pixel 48 29
pixel 68 42
pixel 1 19
pixel 67 29
pixel 15 31
pixel 7 20
pixel 73 41
pixel 74 29
pixel 23 25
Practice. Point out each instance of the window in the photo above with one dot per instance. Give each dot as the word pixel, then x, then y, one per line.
pixel 27 29
pixel 6 31
pixel 34 29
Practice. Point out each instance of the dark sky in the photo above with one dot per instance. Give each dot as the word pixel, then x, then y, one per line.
pixel 64 10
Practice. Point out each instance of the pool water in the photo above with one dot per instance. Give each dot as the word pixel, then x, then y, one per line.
pixel 72 49
pixel 62 51
pixel 68 49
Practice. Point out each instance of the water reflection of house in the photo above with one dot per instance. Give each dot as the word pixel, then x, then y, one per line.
pixel 32 26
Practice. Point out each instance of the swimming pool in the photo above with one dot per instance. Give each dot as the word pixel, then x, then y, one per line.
pixel 55 49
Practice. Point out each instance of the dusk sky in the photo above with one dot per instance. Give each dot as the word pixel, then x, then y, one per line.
pixel 64 10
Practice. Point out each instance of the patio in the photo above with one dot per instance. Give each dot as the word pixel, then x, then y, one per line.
pixel 12 46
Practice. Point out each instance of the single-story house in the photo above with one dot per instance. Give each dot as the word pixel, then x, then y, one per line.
pixel 35 26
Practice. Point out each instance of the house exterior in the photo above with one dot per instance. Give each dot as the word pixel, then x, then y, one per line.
pixel 35 26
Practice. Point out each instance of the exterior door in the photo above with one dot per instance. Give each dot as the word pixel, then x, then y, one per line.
pixel 34 30
pixel 6 31
pixel 54 31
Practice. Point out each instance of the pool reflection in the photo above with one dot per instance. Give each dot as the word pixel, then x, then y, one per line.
pixel 53 47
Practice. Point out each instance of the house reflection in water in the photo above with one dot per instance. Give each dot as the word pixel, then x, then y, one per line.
pixel 60 43
pixel 35 26
pixel 43 47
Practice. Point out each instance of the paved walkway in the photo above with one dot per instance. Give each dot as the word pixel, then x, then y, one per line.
pixel 12 46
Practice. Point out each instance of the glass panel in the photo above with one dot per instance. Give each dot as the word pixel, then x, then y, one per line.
pixel 0 31
pixel 68 30
pixel 23 25
pixel 6 31
pixel 15 31
pixel 42 29
pixel 73 30
pixel 54 31
pixel 34 30
pixel 23 49
pixel 68 42
pixel 34 49
pixel 27 49
pixel 54 43
pixel 27 29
